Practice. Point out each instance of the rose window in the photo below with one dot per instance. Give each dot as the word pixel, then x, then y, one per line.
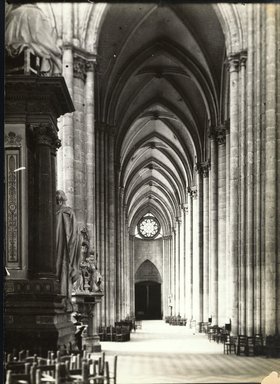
pixel 148 227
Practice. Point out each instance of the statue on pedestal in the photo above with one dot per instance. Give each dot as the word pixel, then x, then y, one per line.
pixel 28 27
pixel 86 293
pixel 68 245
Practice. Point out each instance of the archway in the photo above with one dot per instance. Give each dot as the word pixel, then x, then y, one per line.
pixel 148 300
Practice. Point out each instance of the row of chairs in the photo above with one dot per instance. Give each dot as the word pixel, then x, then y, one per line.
pixel 176 320
pixel 256 345
pixel 117 333
pixel 240 345
pixel 89 368
pixel 243 345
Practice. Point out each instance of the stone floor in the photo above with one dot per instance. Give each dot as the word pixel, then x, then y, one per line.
pixel 163 354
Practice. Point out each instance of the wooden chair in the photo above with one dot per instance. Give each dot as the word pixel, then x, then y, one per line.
pixel 212 332
pixel 259 349
pixel 48 373
pixel 230 345
pixel 242 345
pixel 91 371
pixel 17 378
pixel 111 375
pixel 250 346
pixel 79 374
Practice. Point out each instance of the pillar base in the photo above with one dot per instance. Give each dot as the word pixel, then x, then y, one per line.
pixel 91 343
pixel 35 317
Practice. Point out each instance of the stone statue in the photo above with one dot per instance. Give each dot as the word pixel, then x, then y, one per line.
pixel 90 280
pixel 68 245
pixel 28 27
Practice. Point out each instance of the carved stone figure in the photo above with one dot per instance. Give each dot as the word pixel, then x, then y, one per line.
pixel 28 27
pixel 68 246
pixel 90 280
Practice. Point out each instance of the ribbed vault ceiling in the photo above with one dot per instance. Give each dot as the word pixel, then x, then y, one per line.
pixel 159 79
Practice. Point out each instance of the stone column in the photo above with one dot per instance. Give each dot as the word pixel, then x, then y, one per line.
pixel 46 141
pixel 170 291
pixel 190 274
pixel 221 189
pixel 182 269
pixel 111 256
pixel 250 213
pixel 126 273
pixel 187 266
pixel 185 251
pixel 132 279
pixel 242 204
pixel 228 267
pixel 277 17
pixel 205 172
pixel 90 151
pixel 257 169
pixel 213 221
pixel 234 190
pixel 121 213
pixel 270 172
pixel 200 246
pixel 195 253
pixel 79 138
pixel 66 126
pixel 166 269
pixel 106 225
pixel 173 269
pixel 177 267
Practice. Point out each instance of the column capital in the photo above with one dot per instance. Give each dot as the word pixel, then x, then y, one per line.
pixel 203 168
pixel 221 134
pixel 185 208
pixel 167 237
pixel 45 134
pixel 193 192
pixel 79 68
pixel 178 220
pixel 233 62
pixel 236 60
pixel 243 58
pixel 218 133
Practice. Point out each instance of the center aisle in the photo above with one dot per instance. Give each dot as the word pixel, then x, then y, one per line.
pixel 160 353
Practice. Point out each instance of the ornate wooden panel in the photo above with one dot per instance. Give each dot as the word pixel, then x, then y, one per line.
pixel 12 201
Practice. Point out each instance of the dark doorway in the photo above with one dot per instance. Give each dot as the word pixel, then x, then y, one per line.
pixel 148 300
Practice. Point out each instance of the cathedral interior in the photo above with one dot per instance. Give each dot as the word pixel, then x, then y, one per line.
pixel 142 173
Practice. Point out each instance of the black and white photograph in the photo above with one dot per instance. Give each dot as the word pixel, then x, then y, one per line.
pixel 141 204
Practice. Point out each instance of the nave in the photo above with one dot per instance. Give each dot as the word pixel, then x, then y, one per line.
pixel 160 353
